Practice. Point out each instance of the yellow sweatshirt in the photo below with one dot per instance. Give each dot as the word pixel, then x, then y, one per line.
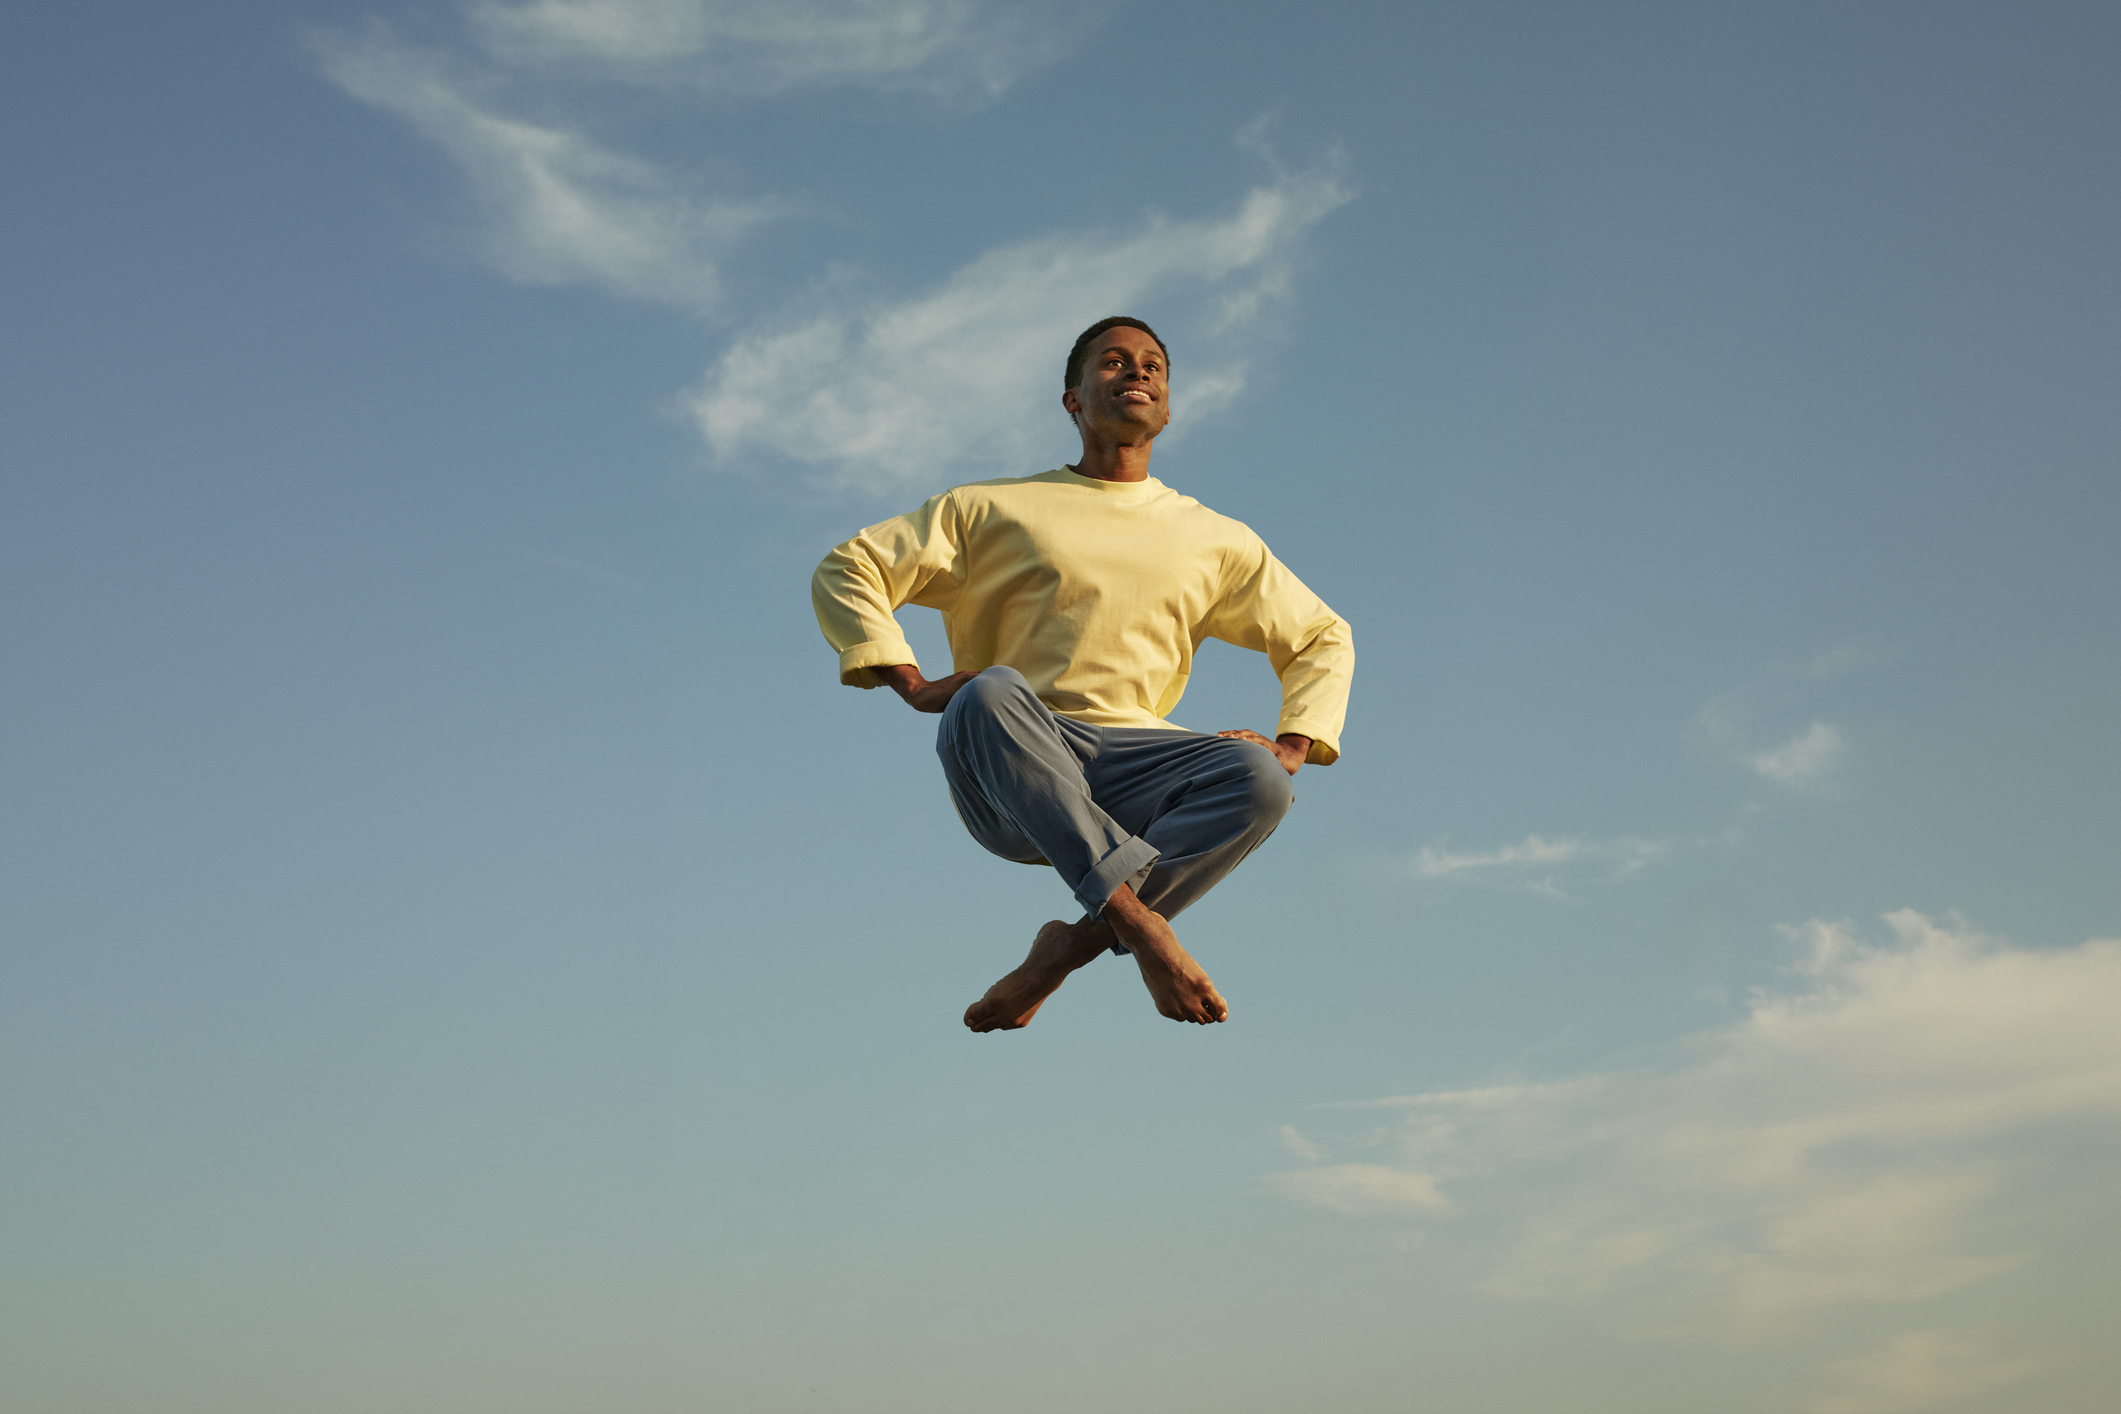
pixel 1098 592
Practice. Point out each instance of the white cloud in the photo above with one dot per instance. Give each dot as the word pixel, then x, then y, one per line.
pixel 1360 1190
pixel 1536 850
pixel 1804 762
pixel 1292 1139
pixel 1859 1140
pixel 966 378
pixel 847 386
pixel 561 210
pixel 1919 1370
pixel 758 46
pixel 1535 863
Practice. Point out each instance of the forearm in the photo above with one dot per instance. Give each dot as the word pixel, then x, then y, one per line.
pixel 902 678
pixel 918 692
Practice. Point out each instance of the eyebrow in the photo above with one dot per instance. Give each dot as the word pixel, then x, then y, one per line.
pixel 1158 355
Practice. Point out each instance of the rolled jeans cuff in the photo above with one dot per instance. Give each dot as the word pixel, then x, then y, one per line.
pixel 1128 863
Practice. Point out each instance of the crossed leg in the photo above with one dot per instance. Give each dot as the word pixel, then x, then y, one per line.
pixel 1176 983
pixel 1139 823
pixel 1058 950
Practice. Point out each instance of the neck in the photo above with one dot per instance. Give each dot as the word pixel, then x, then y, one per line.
pixel 1114 461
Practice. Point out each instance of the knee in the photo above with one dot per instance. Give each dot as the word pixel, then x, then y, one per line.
pixel 996 701
pixel 991 691
pixel 1273 791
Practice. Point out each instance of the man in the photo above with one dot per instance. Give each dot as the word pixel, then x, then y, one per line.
pixel 1074 601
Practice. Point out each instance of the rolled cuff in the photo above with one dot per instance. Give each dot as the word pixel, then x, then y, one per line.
pixel 856 662
pixel 1325 744
pixel 1128 863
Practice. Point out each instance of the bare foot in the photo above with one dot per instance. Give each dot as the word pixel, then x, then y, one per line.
pixel 1058 950
pixel 1180 989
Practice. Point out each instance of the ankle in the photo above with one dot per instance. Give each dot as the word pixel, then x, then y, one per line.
pixel 1147 933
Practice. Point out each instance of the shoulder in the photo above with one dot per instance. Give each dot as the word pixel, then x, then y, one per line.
pixel 972 497
pixel 1178 503
pixel 1228 533
pixel 1242 555
pixel 1003 485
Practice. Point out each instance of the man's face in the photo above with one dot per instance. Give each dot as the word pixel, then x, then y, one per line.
pixel 1124 384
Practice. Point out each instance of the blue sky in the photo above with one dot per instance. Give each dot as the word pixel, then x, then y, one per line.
pixel 463 950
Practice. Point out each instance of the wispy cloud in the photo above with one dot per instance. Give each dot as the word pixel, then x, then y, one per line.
pixel 1743 726
pixel 887 397
pixel 1858 1139
pixel 1292 1139
pixel 1360 1190
pixel 1537 864
pixel 1919 1370
pixel 559 208
pixel 1536 851
pixel 1806 761
pixel 947 47
pixel 872 394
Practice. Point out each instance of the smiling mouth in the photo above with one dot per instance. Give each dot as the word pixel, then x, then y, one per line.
pixel 1136 395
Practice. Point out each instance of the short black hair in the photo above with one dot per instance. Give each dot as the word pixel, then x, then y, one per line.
pixel 1081 350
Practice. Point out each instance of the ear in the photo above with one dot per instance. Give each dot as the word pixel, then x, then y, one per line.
pixel 1073 404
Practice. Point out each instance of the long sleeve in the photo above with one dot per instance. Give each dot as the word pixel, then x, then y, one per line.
pixel 1268 609
pixel 908 559
pixel 1098 592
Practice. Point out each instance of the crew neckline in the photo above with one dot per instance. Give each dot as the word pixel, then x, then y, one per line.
pixel 1147 483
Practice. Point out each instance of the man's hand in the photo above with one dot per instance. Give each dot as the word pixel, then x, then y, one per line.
pixel 920 694
pixel 1290 748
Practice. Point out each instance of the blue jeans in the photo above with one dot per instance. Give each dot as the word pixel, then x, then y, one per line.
pixel 1166 812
